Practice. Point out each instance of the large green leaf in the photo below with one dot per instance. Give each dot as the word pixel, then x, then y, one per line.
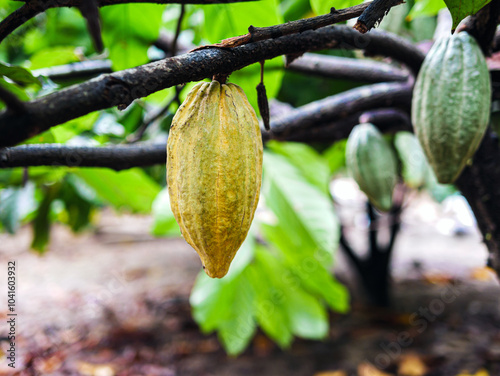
pixel 227 304
pixel 52 56
pixel 423 8
pixel 164 222
pixel 304 210
pixel 128 31
pixel 131 189
pixel 237 18
pixel 310 164
pixel 270 312
pixel 460 9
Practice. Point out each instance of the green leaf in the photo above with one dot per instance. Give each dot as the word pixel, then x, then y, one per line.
pixel 52 56
pixel 78 208
pixel 323 7
pixel 308 317
pixel 18 74
pixel 164 222
pixel 237 18
pixel 128 31
pixel 15 204
pixel 335 156
pixel 131 189
pixel 460 9
pixel 311 165
pixel 42 222
pixel 14 89
pixel 423 8
pixel 270 312
pixel 304 210
pixel 72 128
pixel 415 166
pixel 227 304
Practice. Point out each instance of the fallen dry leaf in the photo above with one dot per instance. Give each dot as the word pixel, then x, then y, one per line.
pixel 481 372
pixel 90 369
pixel 367 369
pixel 331 373
pixel 483 274
pixel 411 365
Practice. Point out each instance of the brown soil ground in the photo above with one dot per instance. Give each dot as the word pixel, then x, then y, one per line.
pixel 115 302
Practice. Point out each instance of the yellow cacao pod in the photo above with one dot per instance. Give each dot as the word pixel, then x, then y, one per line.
pixel 214 171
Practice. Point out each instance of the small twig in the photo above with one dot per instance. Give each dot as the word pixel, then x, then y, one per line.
pixel 12 102
pixel 137 135
pixel 178 29
pixel 256 34
pixel 375 12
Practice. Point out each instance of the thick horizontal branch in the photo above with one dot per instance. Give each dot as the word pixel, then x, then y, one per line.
pixel 386 120
pixel 121 88
pixel 342 105
pixel 33 7
pixel 117 157
pixel 347 68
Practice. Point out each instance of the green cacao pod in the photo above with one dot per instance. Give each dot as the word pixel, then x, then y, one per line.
pixel 372 163
pixel 214 171
pixel 414 164
pixel 451 104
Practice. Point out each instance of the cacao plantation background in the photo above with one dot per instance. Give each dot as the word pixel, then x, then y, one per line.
pixel 88 91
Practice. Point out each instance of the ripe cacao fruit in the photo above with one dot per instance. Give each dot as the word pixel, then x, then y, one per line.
pixel 451 104
pixel 214 171
pixel 371 162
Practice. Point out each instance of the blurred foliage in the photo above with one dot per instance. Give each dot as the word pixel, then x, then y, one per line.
pixel 281 278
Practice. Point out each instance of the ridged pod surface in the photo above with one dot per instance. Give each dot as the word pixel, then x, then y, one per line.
pixel 372 163
pixel 214 171
pixel 451 104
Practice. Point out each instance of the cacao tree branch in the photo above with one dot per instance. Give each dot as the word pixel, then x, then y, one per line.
pixel 75 71
pixel 342 105
pixel 33 7
pixel 374 14
pixel 480 184
pixel 12 102
pixel 90 11
pixel 385 119
pixel 117 157
pixel 347 68
pixel 121 88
